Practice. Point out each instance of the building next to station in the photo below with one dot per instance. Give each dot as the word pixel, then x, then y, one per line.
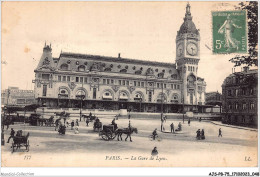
pixel 239 98
pixel 214 99
pixel 100 82
pixel 13 96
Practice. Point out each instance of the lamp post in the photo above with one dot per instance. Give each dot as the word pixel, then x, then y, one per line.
pixel 140 103
pixel 81 99
pixel 162 99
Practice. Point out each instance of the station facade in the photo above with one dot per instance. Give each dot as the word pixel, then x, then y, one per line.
pixel 100 82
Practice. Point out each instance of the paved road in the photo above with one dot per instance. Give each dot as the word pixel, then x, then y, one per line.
pixel 180 149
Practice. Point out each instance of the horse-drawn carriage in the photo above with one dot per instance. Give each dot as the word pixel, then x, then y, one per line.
pixel 108 132
pixel 19 141
pixel 34 119
pixel 91 118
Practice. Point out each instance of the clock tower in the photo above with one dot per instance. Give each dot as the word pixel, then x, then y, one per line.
pixel 187 58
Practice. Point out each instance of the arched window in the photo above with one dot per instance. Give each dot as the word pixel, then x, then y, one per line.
pixel 81 68
pixel 107 95
pixel 64 67
pixel 191 80
pixel 175 98
pixel 161 97
pixel 81 94
pixel 63 93
pixel 123 95
pixel 138 97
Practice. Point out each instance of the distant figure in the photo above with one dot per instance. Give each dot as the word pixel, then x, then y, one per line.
pixel 129 125
pixel 11 135
pixel 179 126
pixel 154 133
pixel 165 117
pixel 202 135
pixel 200 119
pixel 76 130
pixel 90 115
pixel 154 151
pixel 77 122
pixel 72 124
pixel 189 121
pixel 172 128
pixel 87 121
pixel 129 116
pixel 198 134
pixel 219 132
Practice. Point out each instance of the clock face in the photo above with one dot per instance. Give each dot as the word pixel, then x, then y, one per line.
pixel 180 50
pixel 192 49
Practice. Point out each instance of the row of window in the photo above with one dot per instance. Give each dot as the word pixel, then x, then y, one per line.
pixel 243 106
pixel 120 82
pixel 191 68
pixel 242 91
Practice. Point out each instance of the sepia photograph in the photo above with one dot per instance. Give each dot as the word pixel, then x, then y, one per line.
pixel 129 84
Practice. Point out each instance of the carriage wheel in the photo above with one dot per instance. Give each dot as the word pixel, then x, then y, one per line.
pixel 105 137
pixel 27 146
pixel 113 135
pixel 110 134
pixel 12 147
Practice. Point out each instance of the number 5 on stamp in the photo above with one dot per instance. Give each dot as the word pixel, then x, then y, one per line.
pixel 229 32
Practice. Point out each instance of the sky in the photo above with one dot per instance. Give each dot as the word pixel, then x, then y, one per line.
pixel 138 30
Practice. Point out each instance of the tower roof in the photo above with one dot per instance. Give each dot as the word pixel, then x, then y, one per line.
pixel 188 26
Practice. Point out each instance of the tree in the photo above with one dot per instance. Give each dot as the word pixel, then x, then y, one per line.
pixel 251 59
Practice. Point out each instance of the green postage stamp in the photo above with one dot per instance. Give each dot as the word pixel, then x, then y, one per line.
pixel 229 32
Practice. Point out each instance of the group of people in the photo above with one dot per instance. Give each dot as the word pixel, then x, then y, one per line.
pixel 19 133
pixel 200 134
pixel 179 127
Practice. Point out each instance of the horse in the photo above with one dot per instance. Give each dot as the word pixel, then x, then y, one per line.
pixel 41 121
pixel 50 121
pixel 127 131
pixel 7 121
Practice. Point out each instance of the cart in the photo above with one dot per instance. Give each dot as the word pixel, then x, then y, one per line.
pixel 108 132
pixel 20 141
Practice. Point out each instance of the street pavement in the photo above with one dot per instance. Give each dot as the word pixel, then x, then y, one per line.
pixel 237 147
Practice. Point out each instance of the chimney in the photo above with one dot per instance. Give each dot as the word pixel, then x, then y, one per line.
pixel 246 68
pixel 118 55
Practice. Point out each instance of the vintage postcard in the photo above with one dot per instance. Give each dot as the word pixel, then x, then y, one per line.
pixel 129 84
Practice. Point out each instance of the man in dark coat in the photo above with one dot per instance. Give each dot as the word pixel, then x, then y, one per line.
pixel 154 151
pixel 11 135
pixel 198 134
pixel 172 128
pixel 154 133
pixel 219 132
pixel 72 125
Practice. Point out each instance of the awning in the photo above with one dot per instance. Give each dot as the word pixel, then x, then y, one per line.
pixel 174 101
pixel 107 97
pixel 123 97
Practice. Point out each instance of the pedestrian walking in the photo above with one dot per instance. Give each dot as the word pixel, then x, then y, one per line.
pixel 154 151
pixel 198 134
pixel 172 128
pixel 72 125
pixel 202 135
pixel 200 119
pixel 189 121
pixel 219 132
pixel 11 135
pixel 77 122
pixel 87 121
